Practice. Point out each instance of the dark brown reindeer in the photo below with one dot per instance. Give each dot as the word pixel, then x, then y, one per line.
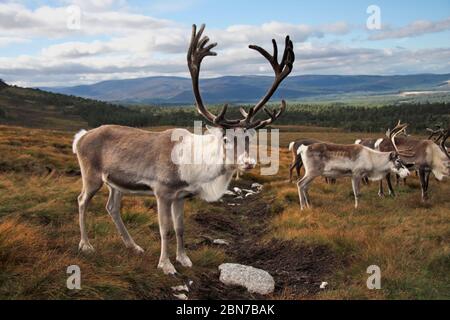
pixel 134 161
pixel 340 160
pixel 422 155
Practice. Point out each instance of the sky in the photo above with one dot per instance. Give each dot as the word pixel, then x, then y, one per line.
pixel 72 42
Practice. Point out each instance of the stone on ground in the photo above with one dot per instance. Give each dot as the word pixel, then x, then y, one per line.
pixel 255 280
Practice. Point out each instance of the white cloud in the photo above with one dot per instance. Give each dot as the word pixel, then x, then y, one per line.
pixel 51 22
pixel 5 41
pixel 134 45
pixel 311 58
pixel 414 29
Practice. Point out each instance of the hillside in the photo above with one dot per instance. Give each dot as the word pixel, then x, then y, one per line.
pixel 176 90
pixel 39 109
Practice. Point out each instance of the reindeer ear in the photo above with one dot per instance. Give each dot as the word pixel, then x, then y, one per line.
pixel 392 155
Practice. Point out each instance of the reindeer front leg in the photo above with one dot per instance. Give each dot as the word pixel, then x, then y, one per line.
pixel 424 176
pixel 177 218
pixel 355 184
pixel 389 183
pixel 164 217
pixel 380 189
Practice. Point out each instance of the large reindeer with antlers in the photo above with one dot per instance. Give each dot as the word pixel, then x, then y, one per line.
pixel 422 155
pixel 134 161
pixel 338 160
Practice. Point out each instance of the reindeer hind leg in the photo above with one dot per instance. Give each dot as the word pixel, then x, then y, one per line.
pixel 113 208
pixel 90 188
pixel 303 185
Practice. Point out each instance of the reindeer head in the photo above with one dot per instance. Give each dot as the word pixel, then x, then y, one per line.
pixel 245 126
pixel 398 166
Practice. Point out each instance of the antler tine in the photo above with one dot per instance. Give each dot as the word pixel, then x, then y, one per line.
pixel 432 133
pixel 440 132
pixel 444 139
pixel 273 115
pixel 399 128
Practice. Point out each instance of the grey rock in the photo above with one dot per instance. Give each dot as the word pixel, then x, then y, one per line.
pixel 221 242
pixel 255 280
pixel 181 296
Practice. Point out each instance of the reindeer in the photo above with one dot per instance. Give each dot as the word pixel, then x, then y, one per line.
pixel 373 144
pixel 297 162
pixel 422 155
pixel 296 158
pixel 134 161
pixel 369 143
pixel 338 160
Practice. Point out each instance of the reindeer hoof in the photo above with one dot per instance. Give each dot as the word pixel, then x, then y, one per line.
pixel 167 267
pixel 138 249
pixel 184 261
pixel 85 247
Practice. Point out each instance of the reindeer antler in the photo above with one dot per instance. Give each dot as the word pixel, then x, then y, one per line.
pixel 399 128
pixel 198 50
pixel 444 139
pixel 439 133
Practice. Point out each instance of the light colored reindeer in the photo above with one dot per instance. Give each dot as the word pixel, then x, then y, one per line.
pixel 134 161
pixel 337 160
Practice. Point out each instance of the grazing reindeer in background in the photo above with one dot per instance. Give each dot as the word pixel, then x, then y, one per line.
pixel 375 145
pixel 440 139
pixel 296 158
pixel 297 162
pixel 338 160
pixel 134 161
pixel 369 143
pixel 422 155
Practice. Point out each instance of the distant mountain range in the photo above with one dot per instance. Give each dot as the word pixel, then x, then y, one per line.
pixel 235 89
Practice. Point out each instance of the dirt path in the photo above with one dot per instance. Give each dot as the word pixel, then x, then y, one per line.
pixel 298 270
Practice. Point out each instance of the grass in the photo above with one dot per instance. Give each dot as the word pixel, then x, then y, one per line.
pixel 39 232
pixel 405 238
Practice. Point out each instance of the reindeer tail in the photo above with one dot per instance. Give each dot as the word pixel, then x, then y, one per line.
pixel 76 139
